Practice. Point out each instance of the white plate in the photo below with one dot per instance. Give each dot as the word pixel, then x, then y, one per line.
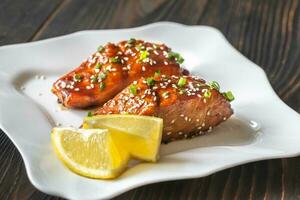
pixel 263 127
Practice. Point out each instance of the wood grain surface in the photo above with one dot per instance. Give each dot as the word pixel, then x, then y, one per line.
pixel 265 31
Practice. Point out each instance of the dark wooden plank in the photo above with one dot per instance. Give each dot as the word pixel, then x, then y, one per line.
pixel 20 19
pixel 267 32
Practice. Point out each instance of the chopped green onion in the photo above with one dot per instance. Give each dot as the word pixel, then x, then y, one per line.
pixel 94 79
pixel 114 59
pixel 150 81
pixel 182 91
pixel 77 77
pixel 229 95
pixel 181 82
pixel 133 89
pixel 140 47
pixel 157 73
pixel 102 76
pixel 176 56
pixel 144 55
pixel 207 94
pixel 98 66
pixel 107 69
pixel 89 114
pixel 102 86
pixel 100 48
pixel 166 94
pixel 214 85
pixel 131 41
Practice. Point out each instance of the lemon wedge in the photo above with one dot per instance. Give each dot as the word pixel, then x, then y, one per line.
pixel 139 135
pixel 89 152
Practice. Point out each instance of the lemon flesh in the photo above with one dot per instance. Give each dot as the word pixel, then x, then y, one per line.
pixel 89 152
pixel 139 135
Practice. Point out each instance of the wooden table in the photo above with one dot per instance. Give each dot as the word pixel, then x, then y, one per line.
pixel 265 31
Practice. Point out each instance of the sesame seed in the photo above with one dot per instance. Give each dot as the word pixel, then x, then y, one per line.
pixel 125 58
pixel 155 52
pixel 172 122
pixel 199 127
pixel 134 82
pixel 204 100
pixel 185 135
pixel 97 70
pixel 143 69
pixel 63 85
pixel 190 119
pixel 88 87
pixel 76 89
pixel 199 95
pixel 166 63
pixel 169 133
pixel 203 124
pixel 208 113
pixel 182 115
pixel 180 133
pixel 186 118
pixel 197 120
pixel 224 118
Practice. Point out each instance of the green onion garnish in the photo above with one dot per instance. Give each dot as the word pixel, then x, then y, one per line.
pixel 207 94
pixel 157 73
pixel 133 89
pixel 100 48
pixel 176 56
pixel 181 82
pixel 102 76
pixel 107 69
pixel 98 66
pixel 102 86
pixel 214 85
pixel 182 91
pixel 144 55
pixel 166 94
pixel 89 114
pixel 114 59
pixel 131 41
pixel 229 95
pixel 150 81
pixel 77 77
pixel 94 79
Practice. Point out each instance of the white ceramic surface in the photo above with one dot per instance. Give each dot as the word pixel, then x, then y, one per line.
pixel 262 127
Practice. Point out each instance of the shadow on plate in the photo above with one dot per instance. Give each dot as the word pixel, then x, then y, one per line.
pixel 234 132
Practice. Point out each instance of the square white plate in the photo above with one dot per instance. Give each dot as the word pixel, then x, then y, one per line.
pixel 262 127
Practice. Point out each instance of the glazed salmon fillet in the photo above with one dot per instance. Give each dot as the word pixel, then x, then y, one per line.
pixel 188 105
pixel 112 68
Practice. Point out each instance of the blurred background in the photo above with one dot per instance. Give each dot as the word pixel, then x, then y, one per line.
pixel 265 31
